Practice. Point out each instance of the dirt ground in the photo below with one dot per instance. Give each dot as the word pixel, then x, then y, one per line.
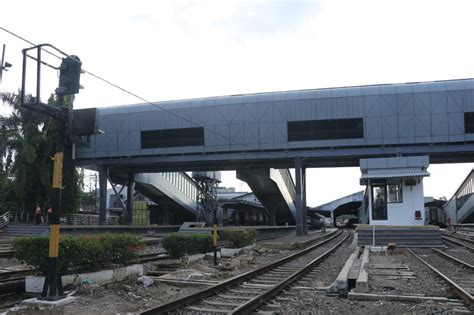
pixel 131 296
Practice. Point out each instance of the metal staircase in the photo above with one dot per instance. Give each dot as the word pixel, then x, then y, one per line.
pixel 276 191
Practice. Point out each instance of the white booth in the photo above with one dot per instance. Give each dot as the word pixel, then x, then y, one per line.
pixel 395 190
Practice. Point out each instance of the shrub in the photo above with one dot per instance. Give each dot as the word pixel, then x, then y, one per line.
pixel 239 237
pixel 180 244
pixel 77 254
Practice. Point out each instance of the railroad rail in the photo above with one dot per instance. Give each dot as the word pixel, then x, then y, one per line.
pixel 246 292
pixel 464 242
pixel 454 259
pixel 459 279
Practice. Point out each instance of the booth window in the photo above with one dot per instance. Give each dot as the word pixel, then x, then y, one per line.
pixel 395 193
pixel 379 202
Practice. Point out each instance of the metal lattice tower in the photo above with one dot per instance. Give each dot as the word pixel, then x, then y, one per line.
pixel 207 183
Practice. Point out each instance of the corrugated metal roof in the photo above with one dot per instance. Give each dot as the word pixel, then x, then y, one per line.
pixel 398 174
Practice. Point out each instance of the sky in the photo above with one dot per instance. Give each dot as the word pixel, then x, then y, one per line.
pixel 164 50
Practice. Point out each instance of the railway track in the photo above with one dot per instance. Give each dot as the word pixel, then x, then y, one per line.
pixel 461 241
pixel 248 291
pixel 456 273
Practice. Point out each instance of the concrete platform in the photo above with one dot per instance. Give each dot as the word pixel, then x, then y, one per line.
pixel 402 236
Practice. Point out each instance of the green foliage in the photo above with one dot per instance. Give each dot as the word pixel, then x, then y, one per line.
pixel 239 237
pixel 180 244
pixel 77 254
pixel 27 144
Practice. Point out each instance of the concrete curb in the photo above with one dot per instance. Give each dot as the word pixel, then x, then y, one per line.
pixel 362 282
pixel 341 283
pixel 391 297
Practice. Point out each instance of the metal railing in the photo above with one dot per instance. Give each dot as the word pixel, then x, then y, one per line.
pixel 183 182
pixel 465 191
pixel 22 217
pixel 4 219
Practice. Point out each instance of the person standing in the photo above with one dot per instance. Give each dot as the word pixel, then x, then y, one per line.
pixel 38 215
pixel 50 211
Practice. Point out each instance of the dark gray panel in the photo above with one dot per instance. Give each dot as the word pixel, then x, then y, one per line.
pixel 456 123
pixel 423 125
pixel 222 114
pixel 373 127
pixel 250 113
pixel 209 137
pixel 111 142
pixel 237 133
pixel 373 105
pixel 265 133
pixel 406 126
pixel 389 105
pixel 421 102
pixel 251 133
pixel 123 140
pixel 439 102
pixel 222 135
pixel 134 140
pixel 389 127
pixel 455 101
pixel 406 104
pixel 209 116
pixel 265 112
pixel 280 132
pixel 279 111
pixel 439 127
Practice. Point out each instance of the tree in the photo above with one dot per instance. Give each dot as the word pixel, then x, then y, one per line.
pixel 29 144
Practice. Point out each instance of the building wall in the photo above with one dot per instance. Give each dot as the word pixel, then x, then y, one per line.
pixel 404 213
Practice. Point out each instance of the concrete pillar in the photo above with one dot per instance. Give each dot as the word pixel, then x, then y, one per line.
pixel 271 217
pixel 130 193
pixel 103 170
pixel 299 199
pixel 305 209
pixel 369 197
pixel 224 216
pixel 166 213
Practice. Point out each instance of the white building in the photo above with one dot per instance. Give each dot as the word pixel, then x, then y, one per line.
pixel 395 190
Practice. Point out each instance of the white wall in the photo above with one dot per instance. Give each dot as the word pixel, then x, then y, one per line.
pixel 404 213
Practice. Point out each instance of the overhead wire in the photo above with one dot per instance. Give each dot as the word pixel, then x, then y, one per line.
pixel 232 141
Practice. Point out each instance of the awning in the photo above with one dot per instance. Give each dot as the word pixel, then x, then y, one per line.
pixel 394 173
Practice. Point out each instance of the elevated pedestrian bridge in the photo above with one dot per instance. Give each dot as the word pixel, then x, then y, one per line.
pixel 319 128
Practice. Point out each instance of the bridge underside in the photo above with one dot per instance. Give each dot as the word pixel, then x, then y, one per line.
pixel 317 157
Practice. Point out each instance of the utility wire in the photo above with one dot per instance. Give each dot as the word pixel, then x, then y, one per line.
pixel 144 99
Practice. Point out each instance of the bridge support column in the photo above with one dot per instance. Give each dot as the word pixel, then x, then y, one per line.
pixel 103 170
pixel 224 216
pixel 130 193
pixel 300 208
pixel 166 213
pixel 305 209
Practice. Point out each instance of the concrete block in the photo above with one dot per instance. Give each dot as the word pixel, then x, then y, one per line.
pixel 35 301
pixel 362 282
pixel 34 284
pixel 341 283
pixel 229 252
